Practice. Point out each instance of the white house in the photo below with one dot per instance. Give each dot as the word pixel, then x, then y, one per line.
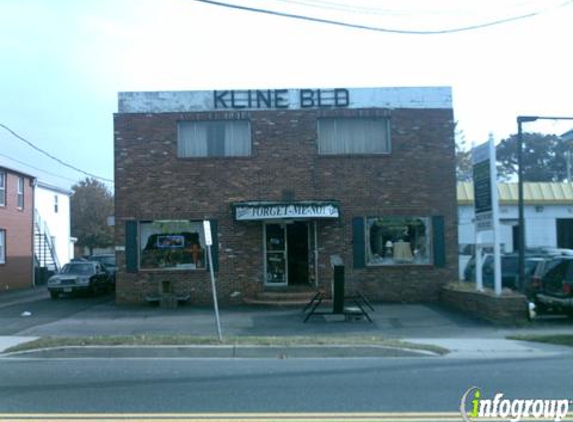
pixel 548 211
pixel 54 245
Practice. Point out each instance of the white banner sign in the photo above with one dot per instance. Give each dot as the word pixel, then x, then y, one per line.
pixel 484 221
pixel 270 212
pixel 207 230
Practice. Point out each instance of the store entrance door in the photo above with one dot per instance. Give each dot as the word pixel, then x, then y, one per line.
pixel 287 254
pixel 298 253
pixel 275 255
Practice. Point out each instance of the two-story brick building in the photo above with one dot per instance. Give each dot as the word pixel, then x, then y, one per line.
pixel 16 229
pixel 287 178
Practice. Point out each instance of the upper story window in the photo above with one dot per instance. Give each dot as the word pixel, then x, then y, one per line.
pixel 20 193
pixel 229 138
pixel 56 204
pixel 2 246
pixel 358 135
pixel 2 188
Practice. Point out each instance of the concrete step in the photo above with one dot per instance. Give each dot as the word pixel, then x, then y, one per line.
pixel 281 298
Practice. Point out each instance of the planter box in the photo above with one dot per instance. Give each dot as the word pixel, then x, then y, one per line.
pixel 510 308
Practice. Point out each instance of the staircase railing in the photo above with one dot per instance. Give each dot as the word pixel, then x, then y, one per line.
pixel 46 241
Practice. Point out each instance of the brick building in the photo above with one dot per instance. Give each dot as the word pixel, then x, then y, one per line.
pixel 16 229
pixel 287 179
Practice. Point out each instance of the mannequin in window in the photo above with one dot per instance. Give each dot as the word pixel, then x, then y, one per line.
pixel 196 254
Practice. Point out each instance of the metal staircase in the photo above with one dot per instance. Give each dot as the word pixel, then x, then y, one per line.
pixel 44 249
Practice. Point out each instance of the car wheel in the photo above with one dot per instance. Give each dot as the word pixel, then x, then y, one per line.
pixel 54 295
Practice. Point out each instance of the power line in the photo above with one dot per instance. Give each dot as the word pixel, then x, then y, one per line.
pixel 37 168
pixel 374 28
pixel 51 156
pixel 387 11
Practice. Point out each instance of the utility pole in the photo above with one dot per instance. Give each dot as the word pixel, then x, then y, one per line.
pixel 521 218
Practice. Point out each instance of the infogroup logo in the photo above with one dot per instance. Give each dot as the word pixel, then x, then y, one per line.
pixel 473 407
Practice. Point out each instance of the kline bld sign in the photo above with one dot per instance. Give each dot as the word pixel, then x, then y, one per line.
pixel 281 98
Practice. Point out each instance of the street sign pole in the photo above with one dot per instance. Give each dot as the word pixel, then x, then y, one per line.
pixel 209 242
pixel 495 214
pixel 486 208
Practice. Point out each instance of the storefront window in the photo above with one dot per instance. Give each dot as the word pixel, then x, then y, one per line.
pixel 176 244
pixel 398 240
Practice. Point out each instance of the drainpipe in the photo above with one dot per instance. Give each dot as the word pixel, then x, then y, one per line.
pixel 33 183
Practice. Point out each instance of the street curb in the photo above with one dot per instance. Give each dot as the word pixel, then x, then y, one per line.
pixel 218 352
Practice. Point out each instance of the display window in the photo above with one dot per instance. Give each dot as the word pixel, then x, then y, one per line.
pixel 398 240
pixel 176 244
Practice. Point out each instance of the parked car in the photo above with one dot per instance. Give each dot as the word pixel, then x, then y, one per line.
pixel 509 270
pixel 108 260
pixel 78 276
pixel 555 291
pixel 535 265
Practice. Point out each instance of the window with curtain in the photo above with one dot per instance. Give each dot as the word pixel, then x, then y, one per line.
pixel 20 193
pixel 353 136
pixel 229 138
pixel 2 246
pixel 2 188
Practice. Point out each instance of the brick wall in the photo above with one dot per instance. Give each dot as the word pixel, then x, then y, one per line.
pixel 510 308
pixel 416 179
pixel 16 273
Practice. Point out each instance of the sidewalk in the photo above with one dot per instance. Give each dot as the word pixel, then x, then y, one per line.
pixel 431 324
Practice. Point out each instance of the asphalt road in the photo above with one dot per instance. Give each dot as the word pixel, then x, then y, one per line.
pixel 45 311
pixel 270 385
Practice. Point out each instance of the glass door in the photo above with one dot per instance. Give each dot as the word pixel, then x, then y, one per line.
pixel 276 254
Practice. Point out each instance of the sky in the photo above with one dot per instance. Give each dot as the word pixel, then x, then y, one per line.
pixel 64 61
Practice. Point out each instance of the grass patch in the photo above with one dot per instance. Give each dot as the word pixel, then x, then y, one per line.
pixel 559 339
pixel 470 287
pixel 185 340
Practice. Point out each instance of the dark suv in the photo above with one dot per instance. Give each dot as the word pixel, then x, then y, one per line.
pixel 108 261
pixel 509 270
pixel 556 286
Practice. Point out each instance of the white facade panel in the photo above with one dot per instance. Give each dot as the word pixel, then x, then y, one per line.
pixel 541 231
pixel 292 99
pixel 53 208
pixel 540 224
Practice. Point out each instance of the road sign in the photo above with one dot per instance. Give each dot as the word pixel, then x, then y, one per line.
pixel 482 187
pixel 207 230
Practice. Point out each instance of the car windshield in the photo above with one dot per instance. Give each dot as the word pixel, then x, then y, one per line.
pixel 108 261
pixel 509 264
pixel 78 268
pixel 531 265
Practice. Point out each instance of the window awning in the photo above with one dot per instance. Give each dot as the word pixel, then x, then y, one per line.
pixel 265 210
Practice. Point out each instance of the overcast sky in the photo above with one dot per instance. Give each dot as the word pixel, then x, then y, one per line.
pixel 63 62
